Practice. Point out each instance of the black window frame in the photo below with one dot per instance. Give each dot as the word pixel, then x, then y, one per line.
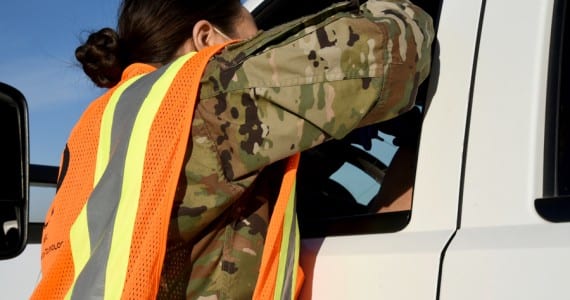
pixel 554 206
pixel 273 12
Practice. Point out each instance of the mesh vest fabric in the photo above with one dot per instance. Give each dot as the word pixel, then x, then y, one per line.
pixel 280 275
pixel 67 258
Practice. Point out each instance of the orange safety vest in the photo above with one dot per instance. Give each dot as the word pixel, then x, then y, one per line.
pixel 280 275
pixel 105 233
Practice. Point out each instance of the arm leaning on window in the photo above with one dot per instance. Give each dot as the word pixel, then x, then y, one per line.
pixel 292 87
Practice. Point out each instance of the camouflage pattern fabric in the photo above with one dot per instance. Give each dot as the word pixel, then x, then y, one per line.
pixel 285 90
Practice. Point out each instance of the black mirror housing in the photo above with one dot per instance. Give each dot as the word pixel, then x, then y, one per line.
pixel 14 166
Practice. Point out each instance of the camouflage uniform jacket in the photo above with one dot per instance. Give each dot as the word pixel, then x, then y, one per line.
pixel 284 91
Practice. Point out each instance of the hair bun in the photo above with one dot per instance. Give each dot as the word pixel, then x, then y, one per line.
pixel 101 57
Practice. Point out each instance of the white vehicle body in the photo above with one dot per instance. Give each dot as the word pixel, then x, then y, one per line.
pixel 474 232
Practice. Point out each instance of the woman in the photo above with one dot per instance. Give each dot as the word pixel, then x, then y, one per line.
pixel 260 100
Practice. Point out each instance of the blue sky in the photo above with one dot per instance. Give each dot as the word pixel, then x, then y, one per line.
pixel 38 41
pixel 37 57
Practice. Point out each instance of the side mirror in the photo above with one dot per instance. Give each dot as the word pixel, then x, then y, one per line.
pixel 14 180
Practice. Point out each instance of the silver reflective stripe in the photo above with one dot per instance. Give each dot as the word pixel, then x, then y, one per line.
pixel 103 202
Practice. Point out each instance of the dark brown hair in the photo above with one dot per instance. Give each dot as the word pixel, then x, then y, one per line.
pixel 149 31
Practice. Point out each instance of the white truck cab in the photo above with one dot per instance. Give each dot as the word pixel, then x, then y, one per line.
pixel 486 213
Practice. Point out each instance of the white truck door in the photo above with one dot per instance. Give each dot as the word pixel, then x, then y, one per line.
pixel 506 247
pixel 356 263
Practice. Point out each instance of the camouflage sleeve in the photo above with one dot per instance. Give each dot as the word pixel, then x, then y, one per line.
pixel 294 86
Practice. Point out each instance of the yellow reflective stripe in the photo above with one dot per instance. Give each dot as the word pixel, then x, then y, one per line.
pixel 80 246
pixel 126 212
pixel 285 240
pixel 79 232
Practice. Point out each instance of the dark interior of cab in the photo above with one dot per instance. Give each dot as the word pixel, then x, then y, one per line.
pixel 326 207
